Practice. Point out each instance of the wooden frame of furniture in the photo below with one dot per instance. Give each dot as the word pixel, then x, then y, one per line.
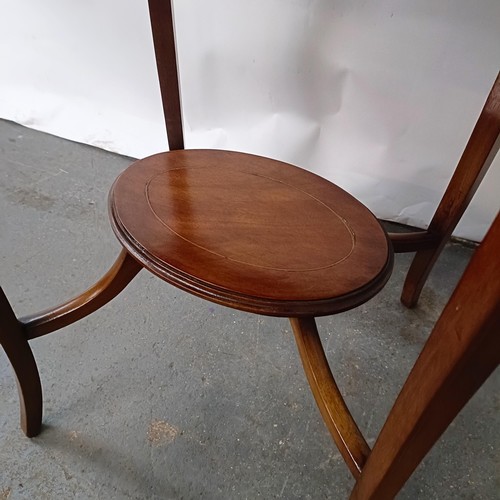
pixel 161 210
pixel 481 149
pixel 192 217
pixel 459 355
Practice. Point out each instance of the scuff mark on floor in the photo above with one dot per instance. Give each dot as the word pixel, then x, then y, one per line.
pixel 161 433
pixel 5 493
pixel 73 435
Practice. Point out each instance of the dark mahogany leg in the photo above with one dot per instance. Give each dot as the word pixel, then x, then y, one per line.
pixel 21 358
pixel 339 421
pixel 420 268
pixel 14 333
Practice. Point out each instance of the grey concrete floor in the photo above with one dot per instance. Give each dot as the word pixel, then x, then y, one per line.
pixel 163 395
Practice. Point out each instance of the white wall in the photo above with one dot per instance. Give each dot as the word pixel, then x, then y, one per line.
pixel 380 97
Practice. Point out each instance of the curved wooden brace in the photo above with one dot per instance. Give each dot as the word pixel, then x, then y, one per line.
pixel 108 287
pixel 413 241
pixel 14 333
pixel 21 358
pixel 346 434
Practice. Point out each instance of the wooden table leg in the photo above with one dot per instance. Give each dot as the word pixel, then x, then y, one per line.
pixel 336 415
pixel 23 362
pixel 14 333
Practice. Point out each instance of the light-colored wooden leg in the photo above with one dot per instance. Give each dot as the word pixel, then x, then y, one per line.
pixel 339 421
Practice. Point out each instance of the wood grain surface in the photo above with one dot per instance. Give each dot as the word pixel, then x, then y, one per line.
pixel 250 232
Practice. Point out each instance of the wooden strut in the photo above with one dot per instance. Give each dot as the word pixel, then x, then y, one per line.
pixel 477 157
pixel 413 241
pixel 108 287
pixel 461 352
pixel 14 333
pixel 21 358
pixel 346 434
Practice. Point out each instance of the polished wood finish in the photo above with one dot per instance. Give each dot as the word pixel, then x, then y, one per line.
pixel 342 427
pixel 461 352
pixel 14 333
pixel 162 25
pixel 413 241
pixel 108 287
pixel 251 233
pixel 23 362
pixel 248 232
pixel 263 236
pixel 477 157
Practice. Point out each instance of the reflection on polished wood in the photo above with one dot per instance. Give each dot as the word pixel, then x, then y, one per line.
pixel 249 232
pixel 261 236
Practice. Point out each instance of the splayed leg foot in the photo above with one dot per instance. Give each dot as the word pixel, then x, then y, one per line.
pixel 14 333
pixel 21 358
pixel 339 421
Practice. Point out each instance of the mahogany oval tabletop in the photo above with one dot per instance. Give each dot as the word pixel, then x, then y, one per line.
pixel 249 232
